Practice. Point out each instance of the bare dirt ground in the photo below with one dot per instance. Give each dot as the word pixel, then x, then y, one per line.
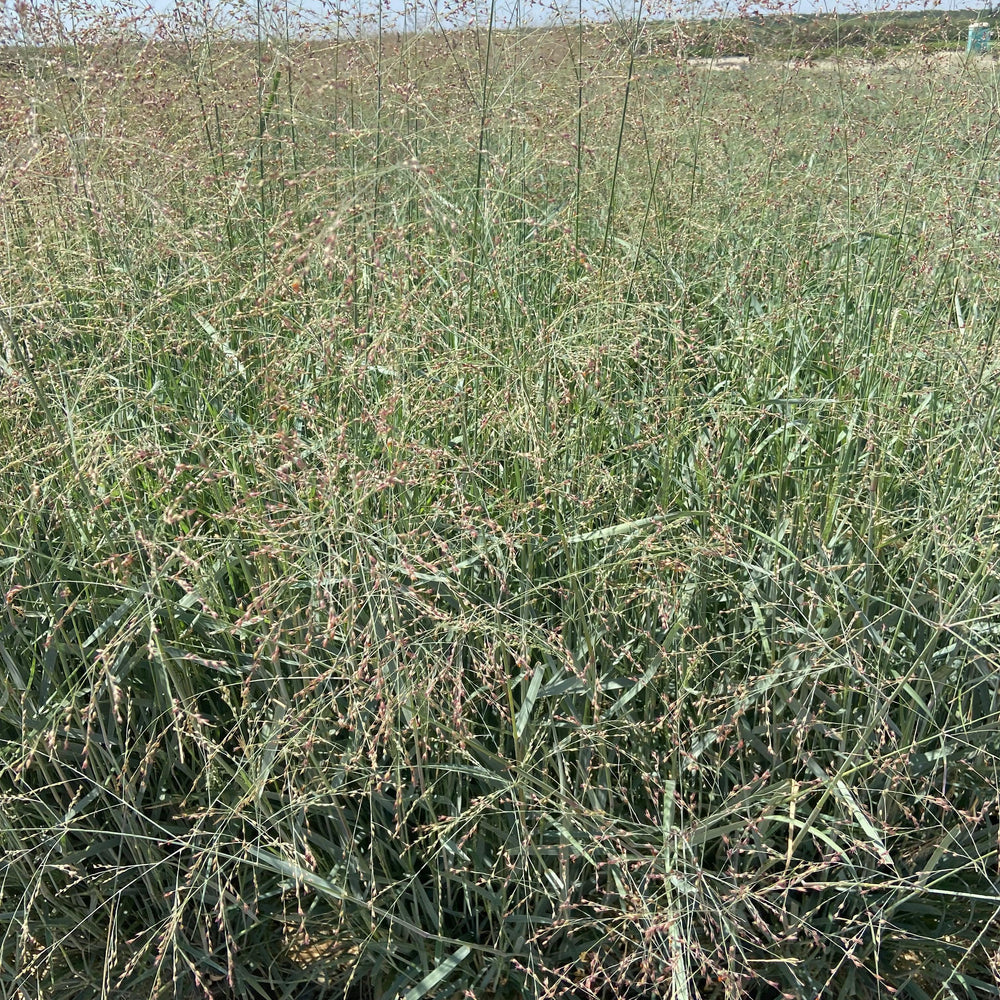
pixel 721 63
pixel 954 62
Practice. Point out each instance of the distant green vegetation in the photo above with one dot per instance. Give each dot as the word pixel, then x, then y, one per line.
pixel 816 36
pixel 476 515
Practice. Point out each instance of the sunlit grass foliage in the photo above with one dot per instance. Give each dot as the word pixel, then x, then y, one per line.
pixel 498 511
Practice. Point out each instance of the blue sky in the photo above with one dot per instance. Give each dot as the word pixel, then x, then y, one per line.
pixel 543 11
pixel 456 13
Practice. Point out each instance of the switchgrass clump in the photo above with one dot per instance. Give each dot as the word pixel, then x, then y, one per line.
pixel 494 510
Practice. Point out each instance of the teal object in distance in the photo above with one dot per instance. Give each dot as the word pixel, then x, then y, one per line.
pixel 979 37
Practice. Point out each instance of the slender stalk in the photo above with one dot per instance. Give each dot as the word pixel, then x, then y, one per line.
pixel 633 48
pixel 578 177
pixel 481 158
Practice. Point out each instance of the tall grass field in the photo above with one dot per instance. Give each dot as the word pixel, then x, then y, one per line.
pixel 496 511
